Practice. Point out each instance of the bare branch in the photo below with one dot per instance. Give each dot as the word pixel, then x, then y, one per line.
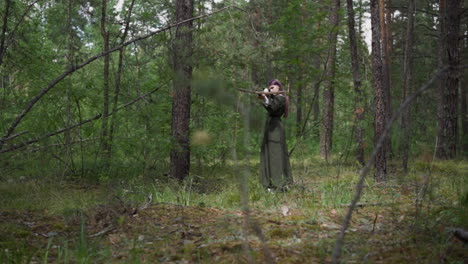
pixel 16 135
pixel 96 117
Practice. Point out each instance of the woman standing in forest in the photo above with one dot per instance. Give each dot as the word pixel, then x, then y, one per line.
pixel 275 169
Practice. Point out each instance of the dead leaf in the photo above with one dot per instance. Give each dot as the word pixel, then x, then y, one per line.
pixel 330 225
pixel 285 210
pixel 115 239
pixel 401 218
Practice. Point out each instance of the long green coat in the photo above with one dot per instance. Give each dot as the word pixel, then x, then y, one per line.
pixel 275 169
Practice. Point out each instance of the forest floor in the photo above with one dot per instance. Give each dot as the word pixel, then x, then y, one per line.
pixel 405 220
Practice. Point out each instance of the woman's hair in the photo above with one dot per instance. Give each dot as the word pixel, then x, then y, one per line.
pixel 277 82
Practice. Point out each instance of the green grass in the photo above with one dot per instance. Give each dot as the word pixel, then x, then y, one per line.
pixel 317 201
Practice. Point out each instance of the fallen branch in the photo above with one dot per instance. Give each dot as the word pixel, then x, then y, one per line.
pixel 106 230
pixel 339 241
pixel 96 117
pixel 44 91
pixel 364 204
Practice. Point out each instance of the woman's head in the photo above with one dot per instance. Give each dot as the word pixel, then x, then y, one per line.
pixel 276 86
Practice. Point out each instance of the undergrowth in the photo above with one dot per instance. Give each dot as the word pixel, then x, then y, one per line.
pixel 54 221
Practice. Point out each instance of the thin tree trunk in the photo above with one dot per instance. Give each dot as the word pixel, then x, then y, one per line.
pixel 300 83
pixel 316 96
pixel 4 30
pixel 380 161
pixel 385 51
pixel 360 19
pixel 299 109
pixel 105 145
pixel 329 92
pixel 449 15
pixel 118 77
pixel 182 52
pixel 359 109
pixel 407 84
pixel 463 100
pixel 256 16
pixel 316 92
pixel 71 60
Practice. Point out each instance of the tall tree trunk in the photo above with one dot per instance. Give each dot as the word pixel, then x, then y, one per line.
pixel 359 109
pixel 105 145
pixel 329 92
pixel 182 52
pixel 4 30
pixel 407 84
pixel 71 61
pixel 449 15
pixel 385 51
pixel 316 96
pixel 118 77
pixel 463 100
pixel 317 61
pixel 380 120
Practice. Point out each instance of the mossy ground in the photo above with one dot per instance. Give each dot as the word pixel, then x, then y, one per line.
pixel 404 220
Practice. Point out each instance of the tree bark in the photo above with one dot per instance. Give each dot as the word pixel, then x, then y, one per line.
pixel 359 108
pixel 71 61
pixel 407 84
pixel 380 119
pixel 316 97
pixel 463 99
pixel 329 92
pixel 4 30
pixel 384 20
pixel 449 17
pixel 105 144
pixel 182 52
